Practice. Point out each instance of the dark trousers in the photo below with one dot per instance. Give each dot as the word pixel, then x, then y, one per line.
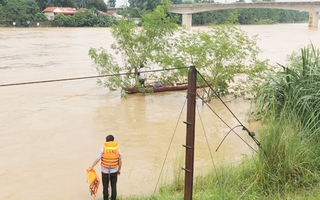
pixel 112 178
pixel 142 82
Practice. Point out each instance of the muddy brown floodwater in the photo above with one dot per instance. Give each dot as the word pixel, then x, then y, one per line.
pixel 51 132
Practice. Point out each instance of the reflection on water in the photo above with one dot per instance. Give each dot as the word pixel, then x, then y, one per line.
pixel 51 132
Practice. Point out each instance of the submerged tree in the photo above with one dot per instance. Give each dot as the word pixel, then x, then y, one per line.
pixel 221 54
pixel 136 45
pixel 225 55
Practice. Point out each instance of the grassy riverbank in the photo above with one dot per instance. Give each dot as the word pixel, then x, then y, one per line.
pixel 287 165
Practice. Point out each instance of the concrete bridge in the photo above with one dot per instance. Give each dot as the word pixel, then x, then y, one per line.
pixel 313 7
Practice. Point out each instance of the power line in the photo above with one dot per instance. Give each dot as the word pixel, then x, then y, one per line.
pixel 251 134
pixel 81 78
pixel 171 141
pixel 48 81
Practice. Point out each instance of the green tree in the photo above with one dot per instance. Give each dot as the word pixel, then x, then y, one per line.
pixel 43 4
pixel 60 19
pixel 2 19
pixel 203 18
pixel 152 4
pixel 40 17
pixel 177 1
pixel 98 4
pixel 79 19
pixel 245 16
pixel 90 17
pixel 112 3
pixel 64 3
pixel 82 3
pixel 69 21
pixel 225 55
pixel 137 46
pixel 136 4
pixel 21 11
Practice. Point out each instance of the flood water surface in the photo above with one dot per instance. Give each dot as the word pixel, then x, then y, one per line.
pixel 51 132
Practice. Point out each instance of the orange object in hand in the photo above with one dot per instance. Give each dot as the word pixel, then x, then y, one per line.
pixel 93 181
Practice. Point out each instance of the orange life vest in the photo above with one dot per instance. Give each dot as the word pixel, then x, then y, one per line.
pixel 93 181
pixel 110 155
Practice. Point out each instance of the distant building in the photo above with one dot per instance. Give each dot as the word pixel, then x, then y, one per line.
pixel 50 12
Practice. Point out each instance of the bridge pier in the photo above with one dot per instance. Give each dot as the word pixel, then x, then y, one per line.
pixel 313 19
pixel 187 20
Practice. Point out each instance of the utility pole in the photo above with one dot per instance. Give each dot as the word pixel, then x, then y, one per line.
pixel 191 112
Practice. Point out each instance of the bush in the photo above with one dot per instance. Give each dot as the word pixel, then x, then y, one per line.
pixel 40 17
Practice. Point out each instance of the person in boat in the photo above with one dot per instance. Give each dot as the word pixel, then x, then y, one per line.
pixel 111 163
pixel 141 74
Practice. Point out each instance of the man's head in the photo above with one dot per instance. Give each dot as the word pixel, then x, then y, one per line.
pixel 109 138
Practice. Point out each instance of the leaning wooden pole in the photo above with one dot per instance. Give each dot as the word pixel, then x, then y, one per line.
pixel 191 112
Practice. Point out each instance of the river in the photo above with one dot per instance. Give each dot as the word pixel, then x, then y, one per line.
pixel 51 132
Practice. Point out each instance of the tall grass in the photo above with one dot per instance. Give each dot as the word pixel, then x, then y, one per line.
pixel 289 162
pixel 296 88
pixel 289 106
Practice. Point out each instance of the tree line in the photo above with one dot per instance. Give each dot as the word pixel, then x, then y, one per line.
pixel 25 12
pixel 251 16
pixel 245 16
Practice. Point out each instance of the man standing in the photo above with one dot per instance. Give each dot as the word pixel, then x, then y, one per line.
pixel 111 162
pixel 141 75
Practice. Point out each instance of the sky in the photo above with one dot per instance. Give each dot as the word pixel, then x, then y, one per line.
pixel 118 2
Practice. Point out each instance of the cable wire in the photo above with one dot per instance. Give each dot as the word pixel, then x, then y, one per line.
pixel 227 136
pixel 251 134
pixel 84 77
pixel 226 123
pixel 174 132
pixel 220 98
pixel 205 134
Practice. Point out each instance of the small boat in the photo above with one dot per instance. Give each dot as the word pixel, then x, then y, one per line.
pixel 157 88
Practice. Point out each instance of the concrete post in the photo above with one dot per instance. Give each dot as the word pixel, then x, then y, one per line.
pixel 313 19
pixel 187 20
